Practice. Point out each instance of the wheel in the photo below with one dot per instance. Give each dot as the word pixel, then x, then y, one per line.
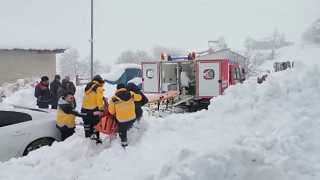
pixel 37 144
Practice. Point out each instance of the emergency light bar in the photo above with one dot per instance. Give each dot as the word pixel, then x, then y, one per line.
pixel 168 57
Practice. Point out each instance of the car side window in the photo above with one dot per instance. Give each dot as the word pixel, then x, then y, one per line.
pixel 8 118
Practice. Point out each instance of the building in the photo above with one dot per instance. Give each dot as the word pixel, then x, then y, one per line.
pixel 19 63
pixel 221 54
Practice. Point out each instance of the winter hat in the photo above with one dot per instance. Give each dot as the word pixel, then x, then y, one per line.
pixel 98 78
pixel 57 76
pixel 120 86
pixel 44 78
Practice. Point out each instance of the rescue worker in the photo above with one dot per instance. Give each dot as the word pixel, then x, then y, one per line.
pixel 66 115
pixel 93 101
pixel 42 93
pixel 138 105
pixel 122 106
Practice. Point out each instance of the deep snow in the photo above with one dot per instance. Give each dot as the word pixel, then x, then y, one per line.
pixel 254 132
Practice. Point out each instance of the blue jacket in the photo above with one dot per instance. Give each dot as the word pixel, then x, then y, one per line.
pixel 42 93
pixel 134 88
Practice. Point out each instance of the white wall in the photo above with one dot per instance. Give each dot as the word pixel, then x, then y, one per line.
pixel 19 64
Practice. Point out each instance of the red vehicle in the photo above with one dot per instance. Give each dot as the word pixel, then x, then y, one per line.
pixel 195 79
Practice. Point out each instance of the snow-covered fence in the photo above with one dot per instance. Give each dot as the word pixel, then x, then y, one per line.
pixel 80 81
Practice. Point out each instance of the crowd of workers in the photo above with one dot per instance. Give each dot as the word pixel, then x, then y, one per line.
pixel 125 105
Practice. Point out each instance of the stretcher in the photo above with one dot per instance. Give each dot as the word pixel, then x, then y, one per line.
pixel 163 97
pixel 107 124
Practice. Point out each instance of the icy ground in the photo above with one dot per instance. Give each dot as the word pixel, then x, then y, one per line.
pixel 254 132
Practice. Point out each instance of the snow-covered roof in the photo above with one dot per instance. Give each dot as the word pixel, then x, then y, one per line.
pixel 34 26
pixel 30 40
pixel 117 71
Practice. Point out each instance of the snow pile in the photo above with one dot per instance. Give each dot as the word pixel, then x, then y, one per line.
pixel 117 71
pixel 267 132
pixel 21 90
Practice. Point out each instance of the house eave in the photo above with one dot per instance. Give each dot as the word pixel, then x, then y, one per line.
pixel 56 51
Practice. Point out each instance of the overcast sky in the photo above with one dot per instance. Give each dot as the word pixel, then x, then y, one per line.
pixel 141 24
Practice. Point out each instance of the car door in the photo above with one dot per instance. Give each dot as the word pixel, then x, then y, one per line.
pixel 15 127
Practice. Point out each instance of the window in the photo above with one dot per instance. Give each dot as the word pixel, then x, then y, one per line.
pixel 150 73
pixel 8 118
pixel 208 74
pixel 236 75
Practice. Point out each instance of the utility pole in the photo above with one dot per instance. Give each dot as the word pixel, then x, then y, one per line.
pixel 91 39
pixel 274 44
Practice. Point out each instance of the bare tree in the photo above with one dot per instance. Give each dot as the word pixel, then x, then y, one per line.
pixel 312 34
pixel 71 65
pixel 133 57
pixel 254 59
pixel 106 68
pixel 158 50
pixel 222 43
pixel 97 67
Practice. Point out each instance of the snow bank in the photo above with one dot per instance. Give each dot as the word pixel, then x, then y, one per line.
pixel 117 71
pixel 254 132
pixel 19 93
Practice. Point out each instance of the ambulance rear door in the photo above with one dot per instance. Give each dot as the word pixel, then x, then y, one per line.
pixel 150 77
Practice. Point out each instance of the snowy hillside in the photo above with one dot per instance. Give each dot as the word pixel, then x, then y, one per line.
pixel 307 54
pixel 253 132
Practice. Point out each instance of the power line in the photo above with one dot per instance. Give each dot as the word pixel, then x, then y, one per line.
pixel 265 12
pixel 71 23
pixel 84 18
pixel 236 15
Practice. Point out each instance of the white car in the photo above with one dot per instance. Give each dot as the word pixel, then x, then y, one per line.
pixel 24 129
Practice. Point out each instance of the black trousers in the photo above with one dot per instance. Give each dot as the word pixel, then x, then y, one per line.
pixel 89 123
pixel 43 105
pixel 66 133
pixel 54 106
pixel 123 131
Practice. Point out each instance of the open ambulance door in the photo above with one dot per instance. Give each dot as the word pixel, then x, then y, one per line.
pixel 208 78
pixel 150 77
pixel 235 74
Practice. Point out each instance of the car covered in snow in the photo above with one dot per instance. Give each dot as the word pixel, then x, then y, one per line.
pixel 24 129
